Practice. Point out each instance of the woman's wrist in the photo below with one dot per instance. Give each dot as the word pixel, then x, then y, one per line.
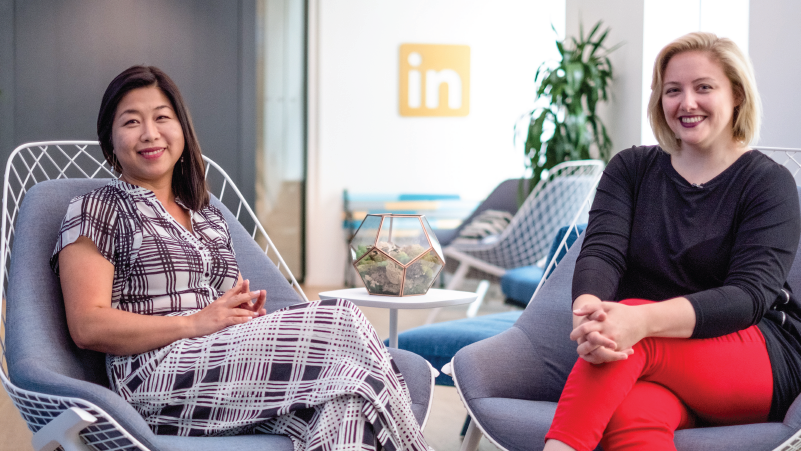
pixel 585 299
pixel 188 326
pixel 674 318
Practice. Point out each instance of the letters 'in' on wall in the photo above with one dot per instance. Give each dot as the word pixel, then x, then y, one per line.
pixel 434 80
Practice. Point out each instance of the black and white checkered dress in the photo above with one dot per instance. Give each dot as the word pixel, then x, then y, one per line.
pixel 316 372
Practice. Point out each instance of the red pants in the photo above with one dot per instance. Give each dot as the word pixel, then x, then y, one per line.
pixel 638 403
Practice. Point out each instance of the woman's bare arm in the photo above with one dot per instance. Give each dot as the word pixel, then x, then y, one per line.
pixel 86 282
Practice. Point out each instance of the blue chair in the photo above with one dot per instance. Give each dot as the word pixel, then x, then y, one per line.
pixel 61 390
pixel 519 284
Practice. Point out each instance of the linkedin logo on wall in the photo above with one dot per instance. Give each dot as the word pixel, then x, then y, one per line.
pixel 434 80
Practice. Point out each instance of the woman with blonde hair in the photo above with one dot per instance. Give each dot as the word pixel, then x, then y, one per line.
pixel 682 313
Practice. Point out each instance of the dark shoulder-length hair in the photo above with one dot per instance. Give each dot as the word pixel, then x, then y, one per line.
pixel 188 177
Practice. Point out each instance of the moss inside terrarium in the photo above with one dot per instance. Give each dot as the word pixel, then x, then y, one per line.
pixel 420 274
pixel 362 249
pixel 381 275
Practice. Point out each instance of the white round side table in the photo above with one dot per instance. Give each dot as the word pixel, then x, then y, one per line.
pixel 434 298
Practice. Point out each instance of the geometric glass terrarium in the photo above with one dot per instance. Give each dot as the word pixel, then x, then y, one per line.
pixel 396 255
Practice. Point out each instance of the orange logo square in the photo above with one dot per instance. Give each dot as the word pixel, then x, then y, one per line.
pixel 434 80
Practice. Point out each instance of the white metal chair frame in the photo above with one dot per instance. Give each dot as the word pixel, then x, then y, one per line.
pixel 492 259
pixel 788 157
pixel 591 169
pixel 58 421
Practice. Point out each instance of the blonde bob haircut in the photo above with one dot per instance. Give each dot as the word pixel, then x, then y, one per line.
pixel 737 67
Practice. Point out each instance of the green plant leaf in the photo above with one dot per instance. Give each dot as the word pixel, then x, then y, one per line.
pixel 573 89
pixel 600 42
pixel 593 31
pixel 561 48
pixel 574 74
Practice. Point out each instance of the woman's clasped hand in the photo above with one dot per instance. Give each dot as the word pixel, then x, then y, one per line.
pixel 238 305
pixel 607 331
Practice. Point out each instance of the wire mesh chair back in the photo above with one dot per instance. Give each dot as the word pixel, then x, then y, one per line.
pixel 32 163
pixel 554 203
pixel 787 157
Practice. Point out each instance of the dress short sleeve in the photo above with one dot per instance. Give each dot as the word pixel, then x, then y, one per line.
pixel 102 217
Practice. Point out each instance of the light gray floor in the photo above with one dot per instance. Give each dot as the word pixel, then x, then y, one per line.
pixel 447 413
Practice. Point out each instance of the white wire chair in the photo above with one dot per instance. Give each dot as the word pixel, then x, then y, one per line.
pixel 527 239
pixel 28 165
pixel 552 204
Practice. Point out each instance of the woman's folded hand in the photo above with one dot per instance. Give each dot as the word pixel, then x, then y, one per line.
pixel 238 305
pixel 256 306
pixel 607 331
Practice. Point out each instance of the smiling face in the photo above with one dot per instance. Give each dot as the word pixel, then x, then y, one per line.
pixel 147 137
pixel 698 101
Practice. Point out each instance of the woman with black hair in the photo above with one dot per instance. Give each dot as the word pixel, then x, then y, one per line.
pixel 149 277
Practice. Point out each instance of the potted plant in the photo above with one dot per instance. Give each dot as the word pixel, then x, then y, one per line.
pixel 566 126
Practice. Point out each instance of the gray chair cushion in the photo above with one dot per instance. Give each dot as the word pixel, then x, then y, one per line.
pixel 43 358
pixel 417 374
pixel 503 198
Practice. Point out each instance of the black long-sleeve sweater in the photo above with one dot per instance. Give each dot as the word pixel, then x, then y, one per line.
pixel 727 246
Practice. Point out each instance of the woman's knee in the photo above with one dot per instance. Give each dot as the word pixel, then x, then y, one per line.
pixel 646 419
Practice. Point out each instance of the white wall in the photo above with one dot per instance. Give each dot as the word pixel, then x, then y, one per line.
pixel 358 140
pixel 775 39
pixel 623 113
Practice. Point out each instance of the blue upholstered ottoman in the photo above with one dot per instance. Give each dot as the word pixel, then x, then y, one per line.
pixel 439 342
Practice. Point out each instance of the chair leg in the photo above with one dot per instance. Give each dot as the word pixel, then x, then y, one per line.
pixel 467 421
pixel 432 315
pixel 471 438
pixel 481 291
pixel 458 276
pixel 63 431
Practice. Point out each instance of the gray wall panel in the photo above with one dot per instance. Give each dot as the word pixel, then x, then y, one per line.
pixel 66 53
pixel 6 76
pixel 774 37
pixel 247 93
